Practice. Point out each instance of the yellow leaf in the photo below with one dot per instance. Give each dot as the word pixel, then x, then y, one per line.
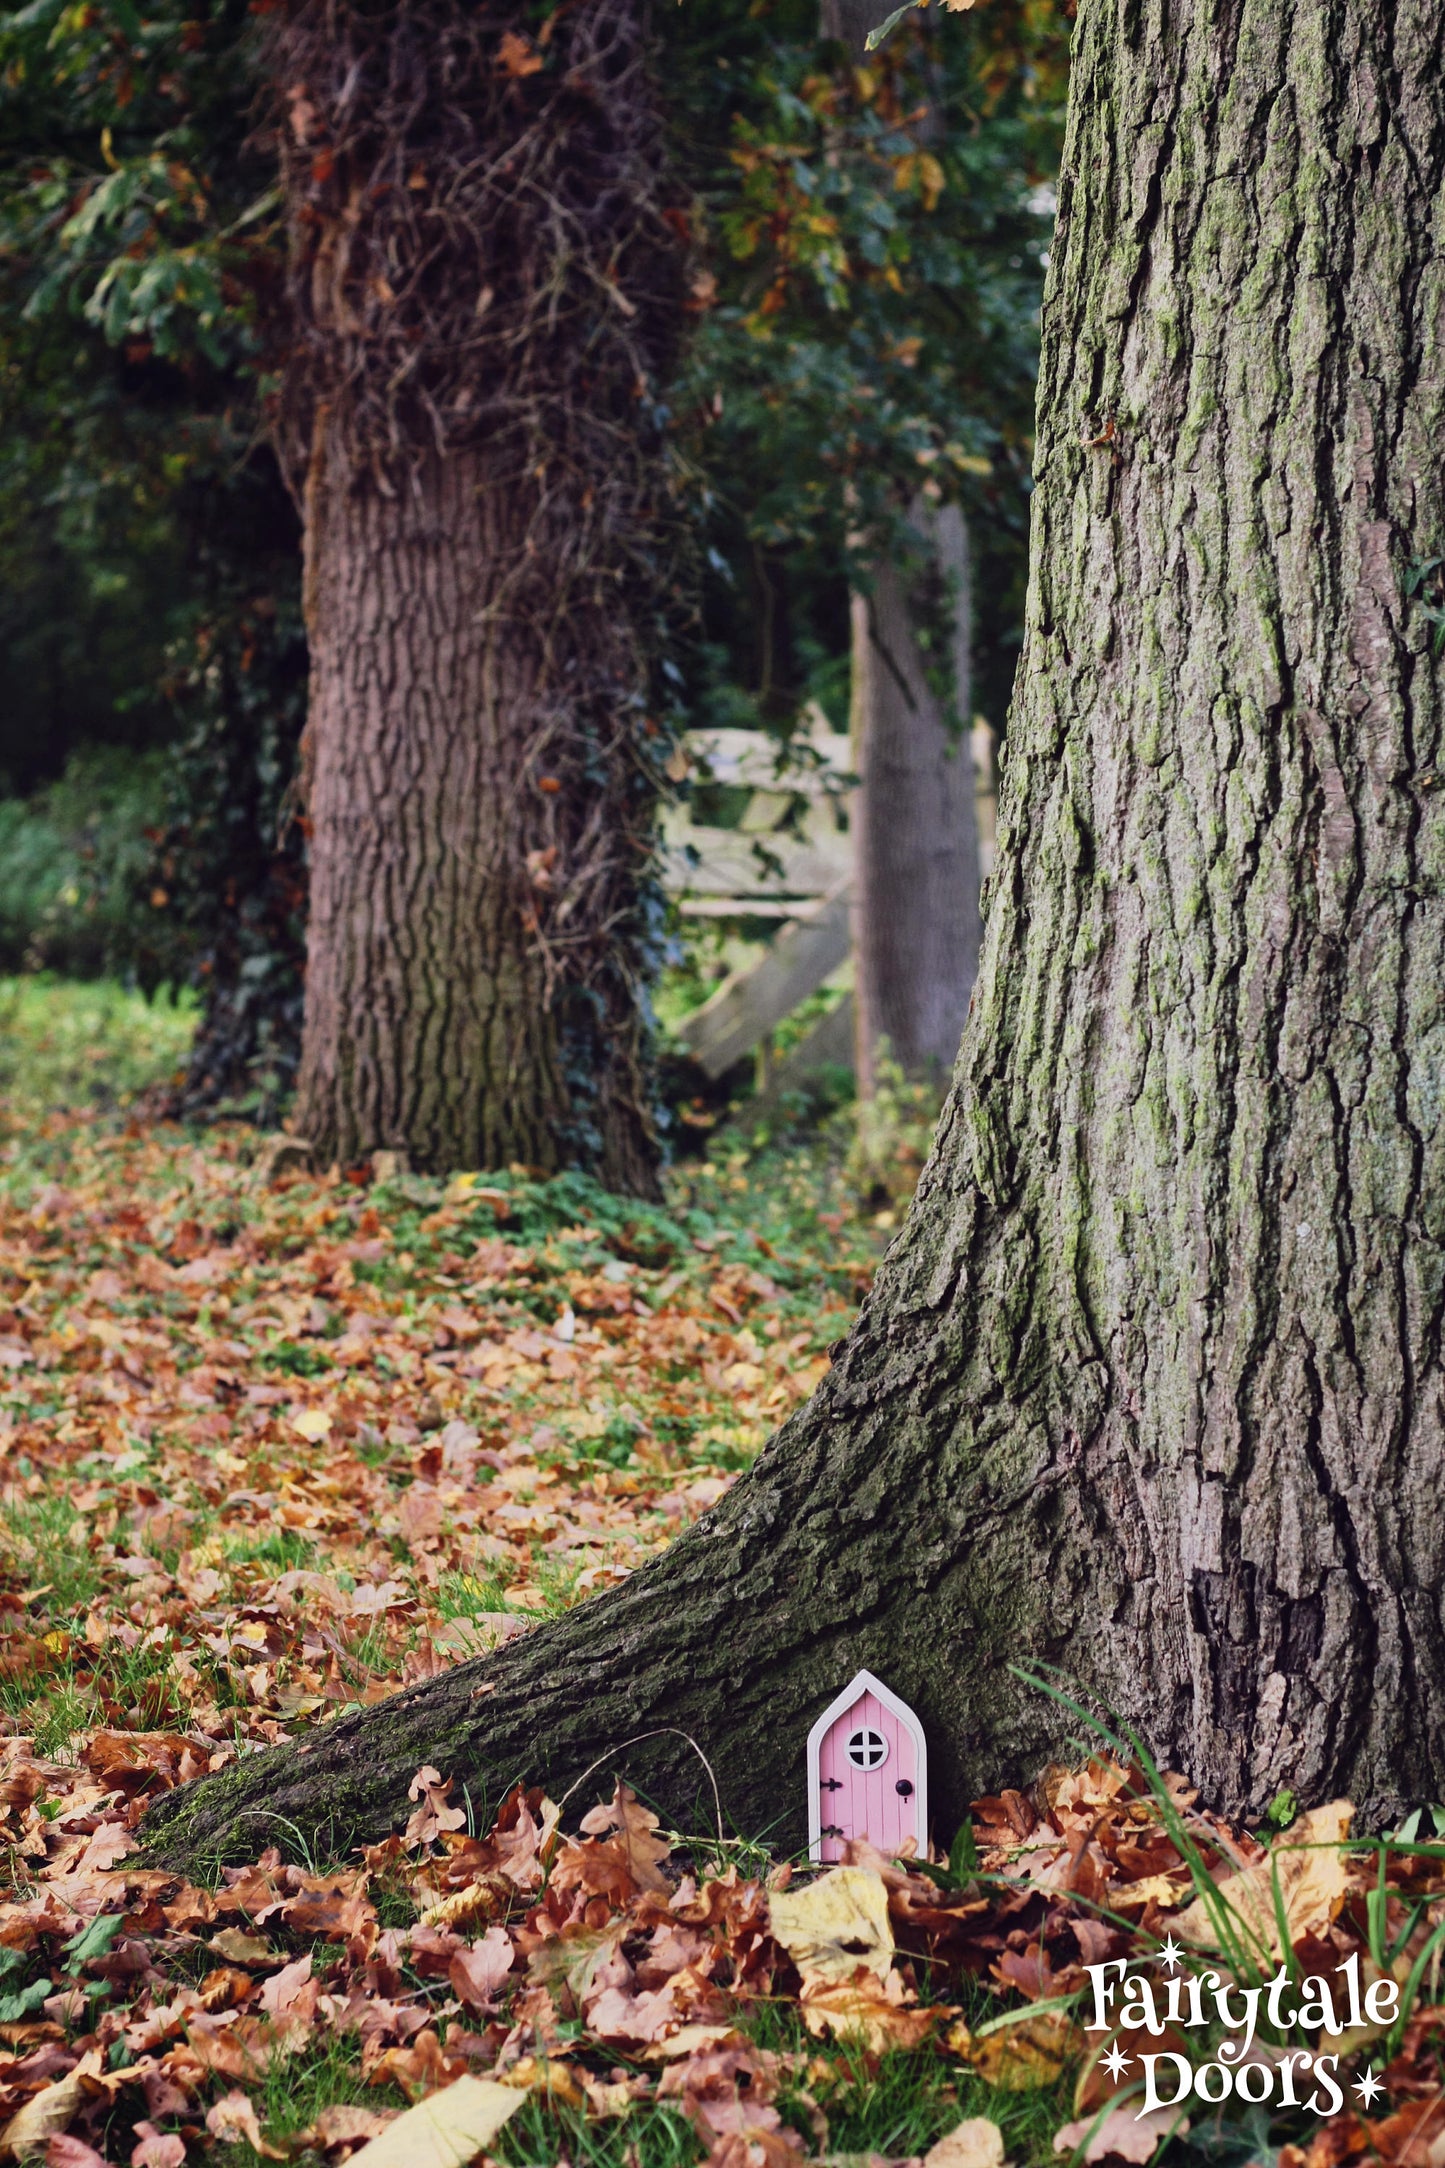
pixel 535 2074
pixel 1021 2057
pixel 976 2143
pixel 480 1900
pixel 690 2041
pixel 464 1188
pixel 243 1949
pixel 884 2013
pixel 29 2131
pixel 312 1423
pixel 1306 1867
pixel 617 2096
pixel 444 2130
pixel 832 1926
pixel 1159 1889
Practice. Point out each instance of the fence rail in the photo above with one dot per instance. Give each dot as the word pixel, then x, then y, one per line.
pixel 789 859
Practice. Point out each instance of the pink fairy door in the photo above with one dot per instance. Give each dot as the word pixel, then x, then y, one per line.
pixel 867 1772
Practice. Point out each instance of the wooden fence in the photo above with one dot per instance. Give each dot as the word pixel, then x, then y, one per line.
pixel 789 859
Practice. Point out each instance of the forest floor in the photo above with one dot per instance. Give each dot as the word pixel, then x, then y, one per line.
pixel 270 1450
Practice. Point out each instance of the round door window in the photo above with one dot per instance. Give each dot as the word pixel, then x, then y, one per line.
pixel 866 1748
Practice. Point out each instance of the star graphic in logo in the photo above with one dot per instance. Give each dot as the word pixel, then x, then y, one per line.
pixel 1170 1951
pixel 1367 2087
pixel 1116 2062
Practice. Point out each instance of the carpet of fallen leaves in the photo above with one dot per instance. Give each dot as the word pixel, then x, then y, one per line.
pixel 271 1449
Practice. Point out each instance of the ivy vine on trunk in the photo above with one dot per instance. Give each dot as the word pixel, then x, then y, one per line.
pixel 485 286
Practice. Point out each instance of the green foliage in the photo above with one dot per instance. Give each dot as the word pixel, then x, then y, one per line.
pixel 90 564
pixel 138 253
pixel 1425 587
pixel 38 1544
pixel 228 893
pixel 960 1868
pixel 868 334
pixel 893 1136
pixel 72 860
pixel 135 208
pixel 63 1045
pixel 296 1361
pixel 24 2002
pixel 93 1940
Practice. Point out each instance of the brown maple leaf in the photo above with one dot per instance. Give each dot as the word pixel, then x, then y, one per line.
pixel 636 1845
pixel 432 1815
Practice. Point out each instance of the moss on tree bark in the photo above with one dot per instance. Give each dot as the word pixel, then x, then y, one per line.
pixel 1149 1386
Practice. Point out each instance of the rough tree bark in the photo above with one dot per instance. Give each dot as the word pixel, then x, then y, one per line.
pixel 485 290
pixel 431 1010
pixel 1150 1383
pixel 915 908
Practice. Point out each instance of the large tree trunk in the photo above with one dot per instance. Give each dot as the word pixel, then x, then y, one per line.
pixel 485 290
pixel 915 880
pixel 433 1019
pixel 1149 1386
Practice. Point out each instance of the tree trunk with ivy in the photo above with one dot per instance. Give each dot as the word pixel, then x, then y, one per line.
pixel 485 290
pixel 1149 1387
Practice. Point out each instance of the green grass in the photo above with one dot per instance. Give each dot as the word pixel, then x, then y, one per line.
pixel 63 1045
pixel 475 1596
pixel 540 2135
pixel 283 1550
pixel 295 2090
pixel 471 1596
pixel 36 1547
pixel 136 1684
pixel 896 2105
pixel 294 1361
pixel 39 1546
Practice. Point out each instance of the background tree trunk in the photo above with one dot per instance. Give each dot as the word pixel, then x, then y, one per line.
pixel 915 906
pixel 431 994
pixel 849 21
pixel 915 882
pixel 1150 1383
pixel 485 290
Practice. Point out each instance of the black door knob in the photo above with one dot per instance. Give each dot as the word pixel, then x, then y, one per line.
pixel 903 1788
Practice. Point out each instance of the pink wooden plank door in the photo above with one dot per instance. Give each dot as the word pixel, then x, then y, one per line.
pixel 865 1756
